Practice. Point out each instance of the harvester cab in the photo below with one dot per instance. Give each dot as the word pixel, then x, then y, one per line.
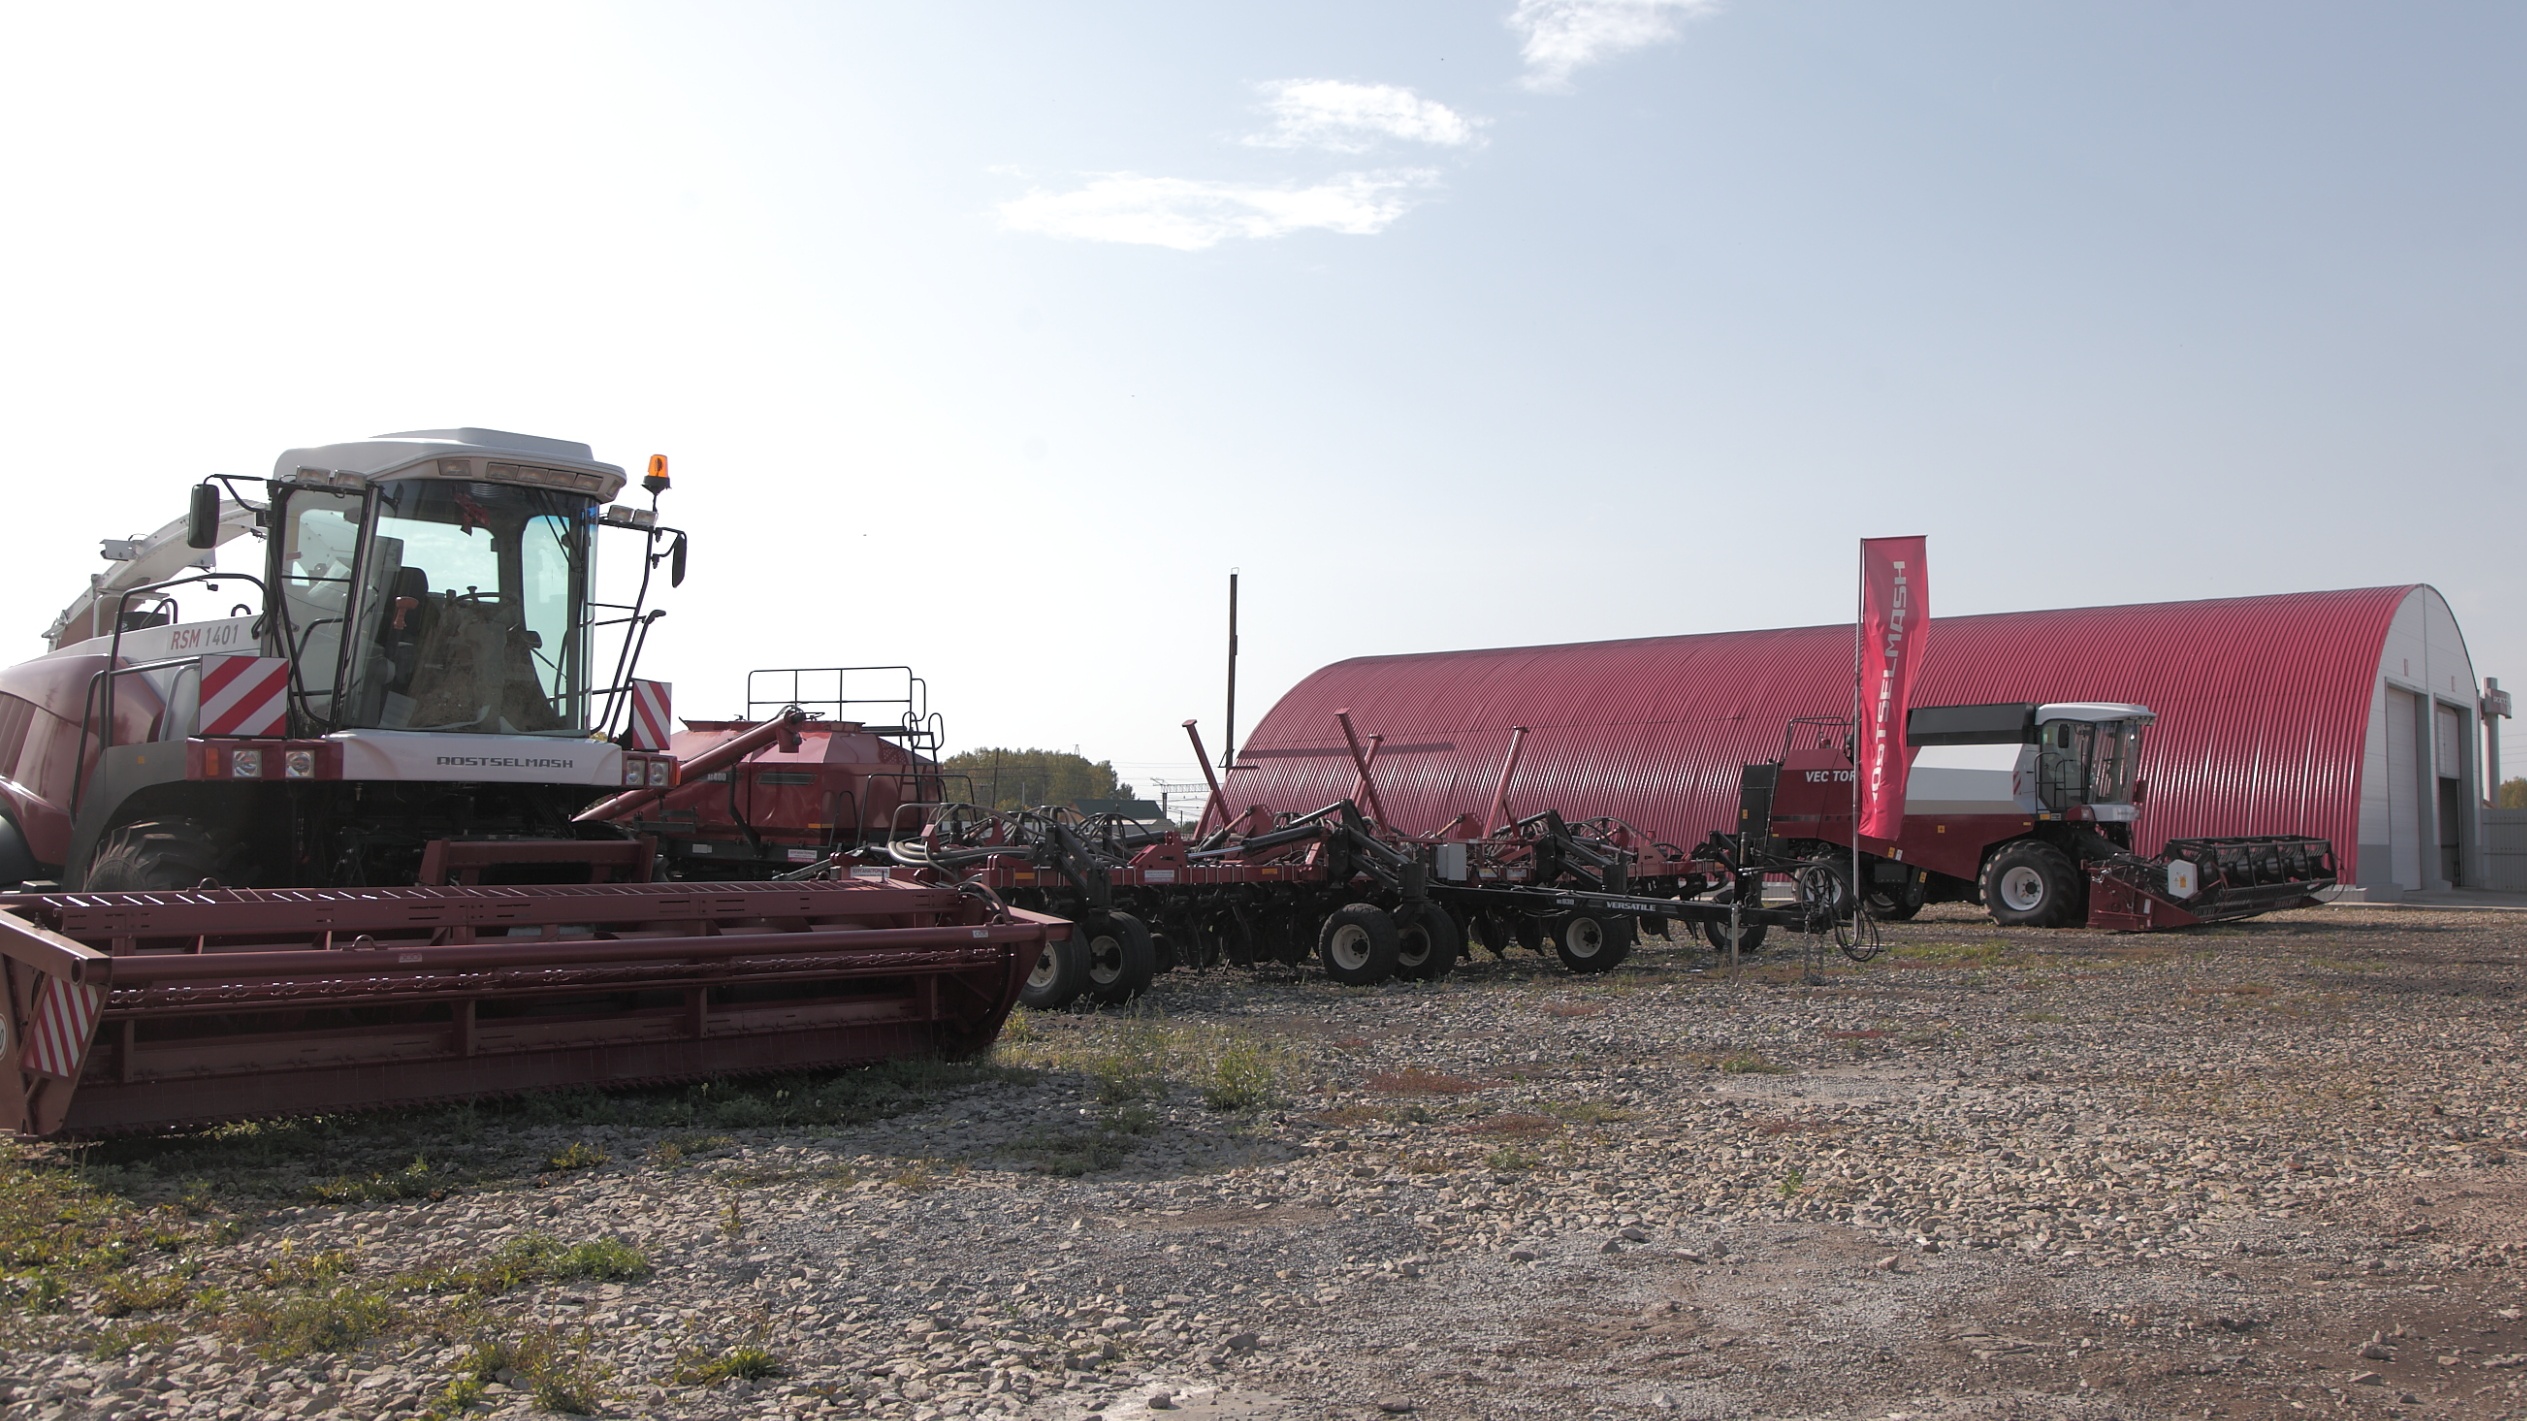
pixel 417 693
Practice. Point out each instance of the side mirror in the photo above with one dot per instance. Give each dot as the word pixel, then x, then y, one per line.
pixel 201 521
pixel 675 563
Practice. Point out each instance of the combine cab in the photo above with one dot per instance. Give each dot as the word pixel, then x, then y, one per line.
pixel 327 851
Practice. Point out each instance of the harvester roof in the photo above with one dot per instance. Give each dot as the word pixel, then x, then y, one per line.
pixel 494 455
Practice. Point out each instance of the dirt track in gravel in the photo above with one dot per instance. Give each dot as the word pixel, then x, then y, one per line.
pixel 2270 1169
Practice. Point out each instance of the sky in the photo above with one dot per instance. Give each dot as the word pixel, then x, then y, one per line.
pixel 988 338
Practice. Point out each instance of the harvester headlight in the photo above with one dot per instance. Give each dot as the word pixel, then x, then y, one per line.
pixel 633 775
pixel 299 764
pixel 657 774
pixel 246 764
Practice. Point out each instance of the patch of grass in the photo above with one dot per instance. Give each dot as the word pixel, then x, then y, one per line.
pixel 1350 1115
pixel 1414 1080
pixel 548 1363
pixel 580 1155
pixel 1141 1057
pixel 290 1268
pixel 329 1319
pixel 1749 1063
pixel 1243 1076
pixel 533 1258
pixel 413 1181
pixel 121 1295
pixel 1509 1159
pixel 676 1149
pixel 61 1233
pixel 701 1367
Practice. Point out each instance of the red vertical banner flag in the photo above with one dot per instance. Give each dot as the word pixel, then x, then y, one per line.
pixel 1894 626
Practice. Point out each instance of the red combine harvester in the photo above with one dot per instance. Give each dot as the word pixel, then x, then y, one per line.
pixel 324 852
pixel 2026 809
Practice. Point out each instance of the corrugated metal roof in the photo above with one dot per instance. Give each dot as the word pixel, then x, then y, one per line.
pixel 2263 705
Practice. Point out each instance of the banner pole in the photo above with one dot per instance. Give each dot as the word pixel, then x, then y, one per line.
pixel 1859 615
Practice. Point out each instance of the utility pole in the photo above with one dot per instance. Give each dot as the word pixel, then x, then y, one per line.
pixel 1228 749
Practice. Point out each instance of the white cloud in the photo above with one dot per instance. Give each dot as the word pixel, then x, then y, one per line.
pixel 1353 118
pixel 1559 37
pixel 1189 216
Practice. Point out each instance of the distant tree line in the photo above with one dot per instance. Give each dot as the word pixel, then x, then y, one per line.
pixel 1003 778
pixel 2512 795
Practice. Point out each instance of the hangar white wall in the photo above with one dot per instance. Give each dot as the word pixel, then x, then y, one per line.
pixel 2421 782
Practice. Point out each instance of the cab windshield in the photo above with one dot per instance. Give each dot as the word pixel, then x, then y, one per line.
pixel 2082 762
pixel 471 610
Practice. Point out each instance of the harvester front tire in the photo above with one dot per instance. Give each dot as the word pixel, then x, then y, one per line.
pixel 1358 945
pixel 1427 944
pixel 1589 943
pixel 1121 958
pixel 2031 884
pixel 154 855
pixel 1061 971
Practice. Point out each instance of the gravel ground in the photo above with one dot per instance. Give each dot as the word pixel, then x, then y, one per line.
pixel 2260 1170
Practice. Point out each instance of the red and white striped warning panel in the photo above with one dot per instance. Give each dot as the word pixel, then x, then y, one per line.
pixel 65 1017
pixel 650 700
pixel 245 695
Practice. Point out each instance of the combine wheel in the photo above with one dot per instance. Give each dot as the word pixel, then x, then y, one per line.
pixel 1358 945
pixel 2031 884
pixel 152 854
pixel 1121 959
pixel 1428 943
pixel 1593 942
pixel 1061 971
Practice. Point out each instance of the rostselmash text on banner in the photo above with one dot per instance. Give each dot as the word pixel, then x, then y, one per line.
pixel 1894 626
